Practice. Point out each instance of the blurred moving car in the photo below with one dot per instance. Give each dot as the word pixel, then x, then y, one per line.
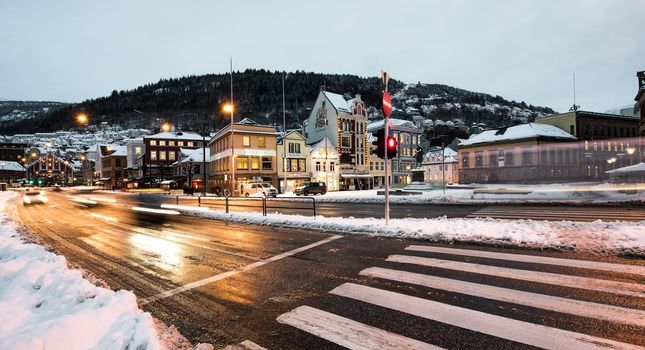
pixel 33 196
pixel 57 188
pixel 311 188
pixel 259 188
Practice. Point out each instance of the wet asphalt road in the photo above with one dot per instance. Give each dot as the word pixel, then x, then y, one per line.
pixel 150 258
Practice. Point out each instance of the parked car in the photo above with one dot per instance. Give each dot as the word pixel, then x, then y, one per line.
pixel 311 188
pixel 257 188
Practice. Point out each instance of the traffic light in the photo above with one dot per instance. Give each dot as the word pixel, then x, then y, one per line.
pixel 379 144
pixel 391 147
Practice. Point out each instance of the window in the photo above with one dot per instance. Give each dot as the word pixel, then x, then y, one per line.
pixel 118 162
pixel 171 155
pixel 572 130
pixel 509 157
pixel 137 150
pixel 243 163
pixel 292 164
pixel 346 142
pixel 153 155
pixel 153 142
pixel 162 142
pixel 527 157
pixel 371 166
pixel 464 159
pixel 180 143
pixel 317 166
pixel 294 147
pixel 255 163
pixel 332 166
pixel 162 155
pixel 302 165
pixel 171 143
pixel 262 142
pixel 479 159
pixel 267 164
pixel 246 141
pixel 189 143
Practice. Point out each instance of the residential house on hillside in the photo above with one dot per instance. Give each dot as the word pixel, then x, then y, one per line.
pixel 344 123
pixel 293 159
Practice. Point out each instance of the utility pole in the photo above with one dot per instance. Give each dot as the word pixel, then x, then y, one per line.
pixel 284 137
pixel 443 167
pixel 203 160
pixel 232 137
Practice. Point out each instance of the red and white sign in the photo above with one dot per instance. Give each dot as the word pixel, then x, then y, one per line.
pixel 387 104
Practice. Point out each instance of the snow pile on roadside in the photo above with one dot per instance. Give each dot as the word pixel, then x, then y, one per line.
pixel 46 305
pixel 598 236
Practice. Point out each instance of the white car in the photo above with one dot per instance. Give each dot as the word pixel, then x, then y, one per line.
pixel 259 189
pixel 33 196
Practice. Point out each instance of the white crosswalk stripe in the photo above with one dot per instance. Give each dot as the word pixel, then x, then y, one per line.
pixel 347 333
pixel 245 345
pixel 520 331
pixel 535 259
pixel 355 335
pixel 547 302
pixel 624 288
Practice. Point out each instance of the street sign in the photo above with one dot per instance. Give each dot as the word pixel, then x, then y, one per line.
pixel 387 104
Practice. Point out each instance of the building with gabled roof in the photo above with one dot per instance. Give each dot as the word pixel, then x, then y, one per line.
pixel 343 122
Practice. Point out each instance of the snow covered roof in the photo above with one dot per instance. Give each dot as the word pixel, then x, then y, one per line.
pixel 517 132
pixel 7 165
pixel 115 151
pixel 632 169
pixel 183 135
pixel 393 121
pixel 194 155
pixel 338 101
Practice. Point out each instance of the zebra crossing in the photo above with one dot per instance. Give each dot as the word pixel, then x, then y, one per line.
pixel 576 213
pixel 617 301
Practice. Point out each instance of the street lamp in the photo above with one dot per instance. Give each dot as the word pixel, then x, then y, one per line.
pixel 230 109
pixel 82 119
pixel 165 127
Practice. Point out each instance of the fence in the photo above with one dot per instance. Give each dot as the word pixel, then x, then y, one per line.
pixel 282 204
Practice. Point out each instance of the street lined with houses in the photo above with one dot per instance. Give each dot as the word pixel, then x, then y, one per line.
pixel 231 284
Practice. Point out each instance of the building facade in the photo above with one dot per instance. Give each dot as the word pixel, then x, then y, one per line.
pixel 408 138
pixel 593 126
pixel 525 153
pixel 113 165
pixel 253 149
pixel 440 169
pixel 323 162
pixel 164 149
pixel 294 161
pixel 640 103
pixel 135 149
pixel 13 151
pixel 189 169
pixel 344 123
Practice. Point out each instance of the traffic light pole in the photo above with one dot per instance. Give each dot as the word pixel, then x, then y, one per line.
pixel 387 169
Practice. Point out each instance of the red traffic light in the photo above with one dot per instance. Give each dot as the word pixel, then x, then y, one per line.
pixel 391 142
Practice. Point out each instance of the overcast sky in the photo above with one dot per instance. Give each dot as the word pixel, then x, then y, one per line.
pixel 523 50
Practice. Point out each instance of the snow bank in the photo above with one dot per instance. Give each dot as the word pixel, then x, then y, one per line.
pixel 598 236
pixel 46 305
pixel 551 193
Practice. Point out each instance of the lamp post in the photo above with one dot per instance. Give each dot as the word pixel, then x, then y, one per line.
pixel 230 108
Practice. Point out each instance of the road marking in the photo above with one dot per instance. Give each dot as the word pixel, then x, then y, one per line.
pixel 535 259
pixel 245 345
pixel 630 289
pixel 223 275
pixel 547 302
pixel 104 217
pixel 502 327
pixel 346 332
